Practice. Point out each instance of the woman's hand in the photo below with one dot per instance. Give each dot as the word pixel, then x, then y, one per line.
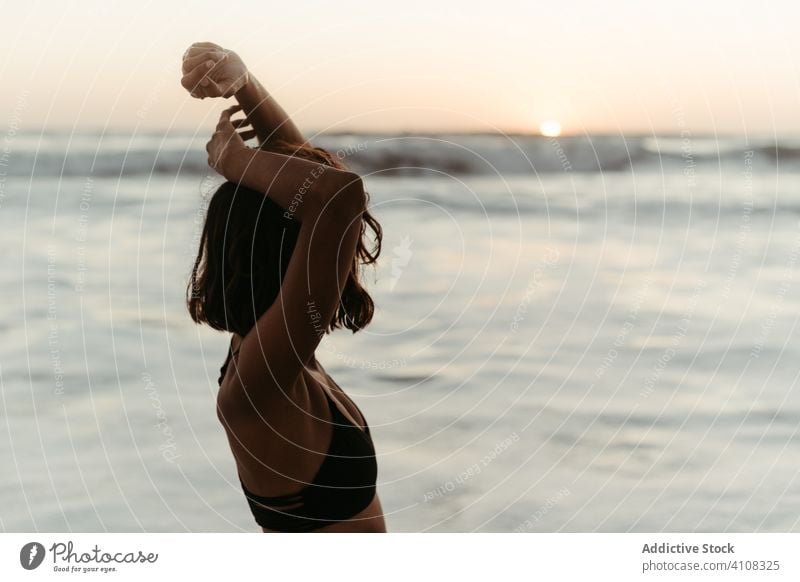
pixel 212 71
pixel 227 142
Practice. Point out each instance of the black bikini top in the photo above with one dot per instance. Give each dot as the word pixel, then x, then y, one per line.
pixel 343 486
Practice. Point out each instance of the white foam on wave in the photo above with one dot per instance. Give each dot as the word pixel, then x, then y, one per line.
pixel 54 154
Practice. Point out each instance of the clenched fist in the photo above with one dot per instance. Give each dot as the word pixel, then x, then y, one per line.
pixel 212 71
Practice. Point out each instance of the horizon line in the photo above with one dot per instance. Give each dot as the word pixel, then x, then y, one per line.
pixel 426 132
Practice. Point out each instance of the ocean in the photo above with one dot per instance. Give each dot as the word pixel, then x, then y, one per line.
pixel 588 333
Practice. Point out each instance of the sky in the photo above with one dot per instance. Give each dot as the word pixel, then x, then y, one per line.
pixel 351 65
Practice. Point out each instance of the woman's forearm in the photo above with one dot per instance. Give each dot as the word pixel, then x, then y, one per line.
pixel 266 116
pixel 301 187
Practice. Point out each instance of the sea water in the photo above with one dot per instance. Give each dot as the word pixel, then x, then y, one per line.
pixel 584 334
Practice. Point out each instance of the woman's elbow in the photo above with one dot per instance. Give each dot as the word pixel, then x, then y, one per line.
pixel 348 196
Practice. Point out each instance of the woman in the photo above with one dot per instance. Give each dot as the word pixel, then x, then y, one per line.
pixel 278 272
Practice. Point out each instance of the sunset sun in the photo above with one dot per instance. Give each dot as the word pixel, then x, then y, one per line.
pixel 550 128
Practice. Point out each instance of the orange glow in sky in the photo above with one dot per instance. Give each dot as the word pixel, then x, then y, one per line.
pixel 508 65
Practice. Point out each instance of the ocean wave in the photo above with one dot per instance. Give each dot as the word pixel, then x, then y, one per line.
pixel 406 154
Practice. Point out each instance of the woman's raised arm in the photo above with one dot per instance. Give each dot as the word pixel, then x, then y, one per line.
pixel 212 71
pixel 266 115
pixel 303 188
pixel 329 204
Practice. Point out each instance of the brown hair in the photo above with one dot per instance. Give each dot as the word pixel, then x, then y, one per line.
pixel 245 248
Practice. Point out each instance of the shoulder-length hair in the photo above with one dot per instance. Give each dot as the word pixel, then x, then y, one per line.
pixel 245 248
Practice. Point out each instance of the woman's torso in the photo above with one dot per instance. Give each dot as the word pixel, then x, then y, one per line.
pixel 279 451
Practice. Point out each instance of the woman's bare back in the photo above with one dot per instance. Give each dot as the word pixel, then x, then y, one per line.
pixel 278 451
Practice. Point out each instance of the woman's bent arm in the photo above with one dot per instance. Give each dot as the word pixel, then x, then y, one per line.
pixel 329 204
pixel 286 336
pixel 267 117
pixel 303 188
